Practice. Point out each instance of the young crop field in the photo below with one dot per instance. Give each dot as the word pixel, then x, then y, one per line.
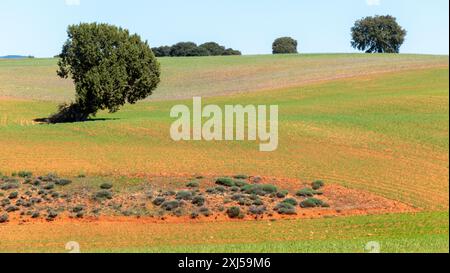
pixel 375 128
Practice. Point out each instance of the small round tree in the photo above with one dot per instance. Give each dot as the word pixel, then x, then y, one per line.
pixel 285 45
pixel 109 68
pixel 378 34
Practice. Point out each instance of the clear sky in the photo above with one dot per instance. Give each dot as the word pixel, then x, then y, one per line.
pixel 38 27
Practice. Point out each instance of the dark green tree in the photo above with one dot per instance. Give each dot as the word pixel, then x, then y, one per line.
pixel 230 52
pixel 162 51
pixel 378 34
pixel 109 67
pixel 197 52
pixel 284 45
pixel 190 49
pixel 213 48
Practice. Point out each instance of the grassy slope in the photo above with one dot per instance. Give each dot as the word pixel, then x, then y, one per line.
pixel 423 232
pixel 385 133
pixel 210 76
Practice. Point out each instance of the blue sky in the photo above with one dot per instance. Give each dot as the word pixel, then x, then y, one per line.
pixel 38 27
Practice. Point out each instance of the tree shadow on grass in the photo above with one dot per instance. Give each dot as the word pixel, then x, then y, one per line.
pixel 49 121
pixel 70 113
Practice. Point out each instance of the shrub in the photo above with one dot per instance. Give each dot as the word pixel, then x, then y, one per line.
pixel 316 185
pixel 170 193
pixel 63 182
pixel 245 202
pixel 103 194
pixel 269 188
pixel 78 208
pixel 241 176
pixel 225 181
pixel 199 201
pixel 194 215
pixel 170 205
pixel 205 211
pixel 237 197
pixel 313 203
pixel 220 189
pixel 235 189
pixel 306 192
pixel 285 208
pixel 51 215
pixel 35 215
pixel 49 177
pixel 13 195
pixel 35 200
pixel 234 212
pixel 9 186
pixel 257 210
pixel 285 45
pixel 291 201
pixel 240 183
pixel 184 195
pixel 49 186
pixel 178 212
pixel 11 209
pixel 106 186
pixel 258 202
pixel 259 189
pixel 282 194
pixel 158 201
pixel 193 184
pixel 24 174
pixel 79 214
pixel 4 218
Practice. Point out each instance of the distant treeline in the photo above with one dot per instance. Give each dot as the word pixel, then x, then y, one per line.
pixel 16 57
pixel 190 49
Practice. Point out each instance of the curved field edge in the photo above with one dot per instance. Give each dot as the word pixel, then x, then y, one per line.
pixel 212 76
pixel 387 134
pixel 420 232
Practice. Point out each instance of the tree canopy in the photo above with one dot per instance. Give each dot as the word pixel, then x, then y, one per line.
pixel 109 68
pixel 190 49
pixel 285 45
pixel 378 34
pixel 213 48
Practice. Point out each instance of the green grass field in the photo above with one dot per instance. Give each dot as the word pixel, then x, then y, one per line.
pixel 376 123
pixel 424 232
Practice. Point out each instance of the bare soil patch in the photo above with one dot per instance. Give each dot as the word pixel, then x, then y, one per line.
pixel 28 199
